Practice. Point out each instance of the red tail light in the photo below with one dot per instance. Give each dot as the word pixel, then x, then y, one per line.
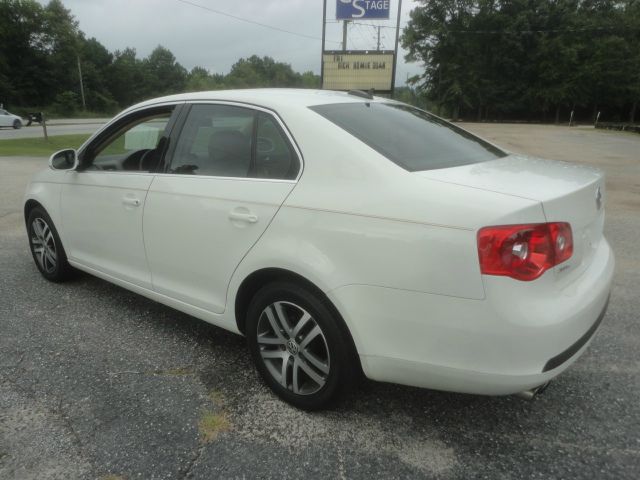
pixel 524 252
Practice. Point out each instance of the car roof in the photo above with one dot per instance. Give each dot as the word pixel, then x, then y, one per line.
pixel 273 98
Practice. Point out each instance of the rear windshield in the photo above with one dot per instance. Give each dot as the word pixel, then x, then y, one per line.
pixel 412 138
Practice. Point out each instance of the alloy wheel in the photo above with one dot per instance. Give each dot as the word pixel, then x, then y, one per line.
pixel 293 347
pixel 44 245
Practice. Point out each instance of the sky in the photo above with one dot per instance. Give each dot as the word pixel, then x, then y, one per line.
pixel 200 37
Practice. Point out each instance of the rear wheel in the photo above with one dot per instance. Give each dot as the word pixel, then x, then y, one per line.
pixel 298 346
pixel 17 124
pixel 46 247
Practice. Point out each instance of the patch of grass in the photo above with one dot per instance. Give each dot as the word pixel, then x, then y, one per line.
pixel 38 147
pixel 217 398
pixel 213 424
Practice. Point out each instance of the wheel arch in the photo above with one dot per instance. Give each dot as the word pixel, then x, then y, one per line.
pixel 256 280
pixel 29 205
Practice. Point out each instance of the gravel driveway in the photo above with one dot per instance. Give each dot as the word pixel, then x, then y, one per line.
pixel 97 382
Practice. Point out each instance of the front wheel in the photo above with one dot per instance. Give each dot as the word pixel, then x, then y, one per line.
pixel 298 346
pixel 46 247
pixel 17 124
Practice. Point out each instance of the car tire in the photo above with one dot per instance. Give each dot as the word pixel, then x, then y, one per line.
pixel 17 124
pixel 46 247
pixel 289 325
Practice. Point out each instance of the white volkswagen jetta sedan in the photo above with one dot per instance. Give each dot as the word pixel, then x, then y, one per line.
pixel 340 233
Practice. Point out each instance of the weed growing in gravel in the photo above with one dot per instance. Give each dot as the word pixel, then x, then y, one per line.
pixel 212 424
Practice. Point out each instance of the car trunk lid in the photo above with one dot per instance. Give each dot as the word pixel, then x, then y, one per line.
pixel 568 193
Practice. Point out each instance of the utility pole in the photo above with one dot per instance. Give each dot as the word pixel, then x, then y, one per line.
pixel 84 105
pixel 378 47
pixel 344 35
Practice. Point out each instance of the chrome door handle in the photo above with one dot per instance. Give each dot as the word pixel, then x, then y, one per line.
pixel 243 217
pixel 131 201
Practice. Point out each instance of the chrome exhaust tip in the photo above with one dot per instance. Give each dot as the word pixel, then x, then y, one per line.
pixel 533 392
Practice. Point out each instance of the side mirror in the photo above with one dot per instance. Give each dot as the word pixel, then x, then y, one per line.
pixel 64 160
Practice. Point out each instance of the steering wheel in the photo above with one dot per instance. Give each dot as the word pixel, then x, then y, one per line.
pixel 142 158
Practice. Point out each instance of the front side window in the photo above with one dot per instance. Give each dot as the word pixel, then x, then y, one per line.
pixel 231 141
pixel 134 146
pixel 409 137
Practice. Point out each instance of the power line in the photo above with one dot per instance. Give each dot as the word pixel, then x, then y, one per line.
pixel 366 24
pixel 566 30
pixel 246 20
pixel 493 32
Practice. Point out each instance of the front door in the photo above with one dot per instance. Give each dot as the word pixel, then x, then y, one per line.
pixel 103 202
pixel 230 171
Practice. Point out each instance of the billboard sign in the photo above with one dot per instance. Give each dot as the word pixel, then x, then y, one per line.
pixel 358 70
pixel 355 9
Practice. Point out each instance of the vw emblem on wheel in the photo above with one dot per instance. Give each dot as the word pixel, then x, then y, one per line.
pixel 598 198
pixel 292 346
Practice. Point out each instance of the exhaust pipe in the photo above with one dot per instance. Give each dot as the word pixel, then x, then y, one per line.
pixel 533 392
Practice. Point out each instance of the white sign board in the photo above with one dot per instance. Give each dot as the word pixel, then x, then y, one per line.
pixel 357 71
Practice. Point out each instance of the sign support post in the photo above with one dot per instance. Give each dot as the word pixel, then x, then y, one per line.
pixel 324 32
pixel 395 56
pixel 344 35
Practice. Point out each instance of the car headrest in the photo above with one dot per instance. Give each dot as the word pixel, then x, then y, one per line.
pixel 229 145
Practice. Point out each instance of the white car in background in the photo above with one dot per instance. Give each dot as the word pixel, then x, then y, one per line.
pixel 9 119
pixel 340 233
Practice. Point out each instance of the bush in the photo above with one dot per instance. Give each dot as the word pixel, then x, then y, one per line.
pixel 98 102
pixel 66 103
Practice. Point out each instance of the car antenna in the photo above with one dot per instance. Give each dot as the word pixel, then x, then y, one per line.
pixel 362 94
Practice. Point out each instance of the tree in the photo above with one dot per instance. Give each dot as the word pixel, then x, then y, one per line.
pixel 41 47
pixel 125 78
pixel 255 72
pixel 163 73
pixel 22 57
pixel 523 58
pixel 61 41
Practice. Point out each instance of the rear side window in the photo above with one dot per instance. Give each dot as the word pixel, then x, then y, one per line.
pixel 411 138
pixel 231 141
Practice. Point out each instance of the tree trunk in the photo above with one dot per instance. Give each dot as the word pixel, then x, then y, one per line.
pixel 557 114
pixel 479 117
pixel 632 113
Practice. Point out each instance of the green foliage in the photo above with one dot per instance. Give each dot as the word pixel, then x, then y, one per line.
pixel 252 72
pixel 41 47
pixel 527 58
pixel 66 103
pixel 413 97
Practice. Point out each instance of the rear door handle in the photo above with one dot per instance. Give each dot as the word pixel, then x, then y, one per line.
pixel 131 201
pixel 243 216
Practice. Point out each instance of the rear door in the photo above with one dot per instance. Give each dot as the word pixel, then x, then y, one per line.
pixel 231 168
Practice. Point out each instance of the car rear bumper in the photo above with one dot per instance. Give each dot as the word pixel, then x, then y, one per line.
pixel 500 345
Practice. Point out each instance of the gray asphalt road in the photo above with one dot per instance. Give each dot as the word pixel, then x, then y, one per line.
pixel 54 127
pixel 97 382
